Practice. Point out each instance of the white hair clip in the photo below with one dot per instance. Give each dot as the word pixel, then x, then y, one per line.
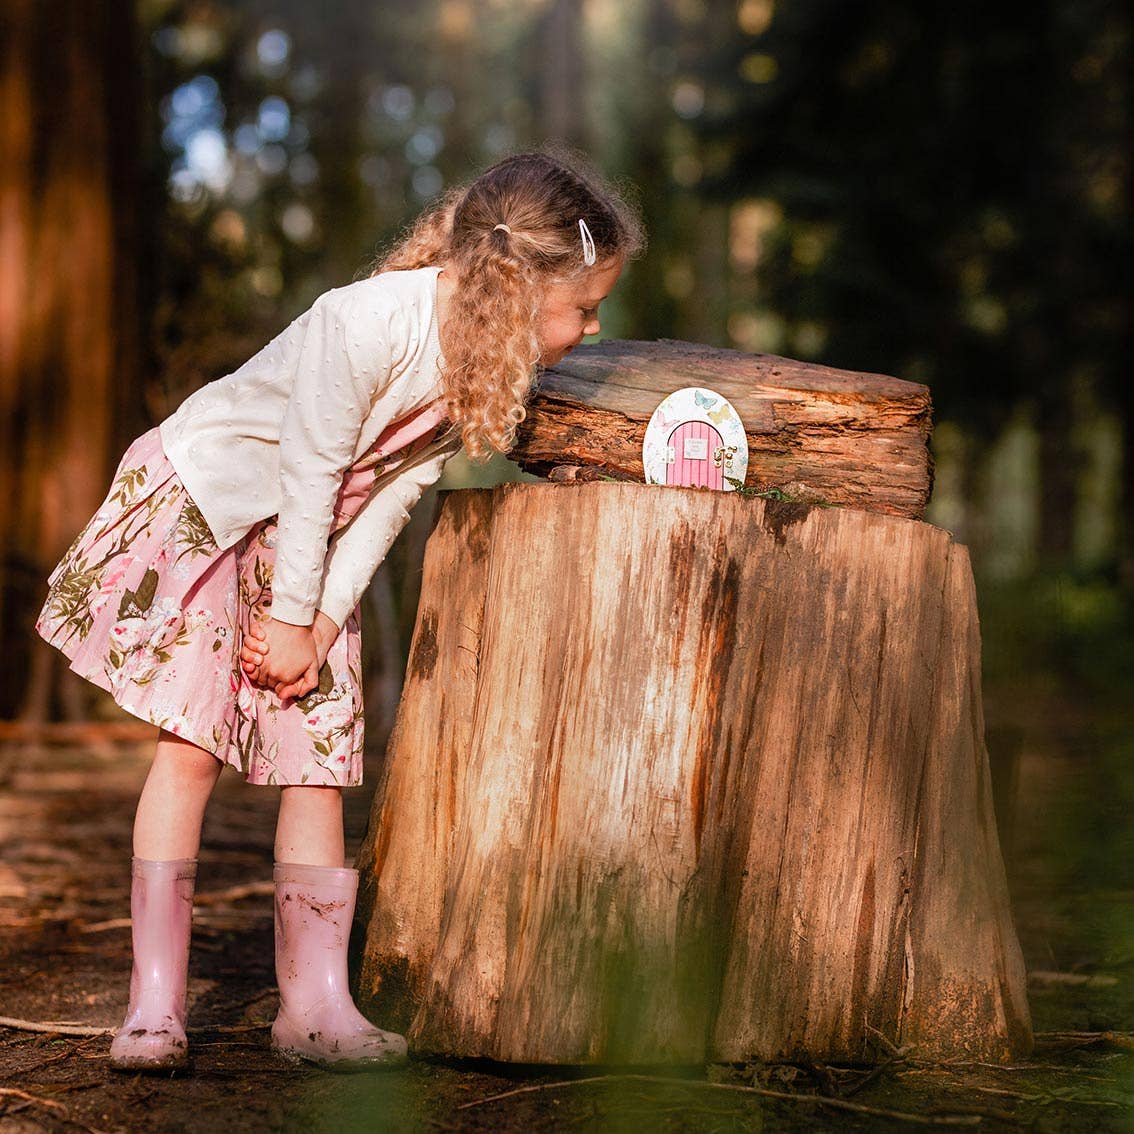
pixel 588 243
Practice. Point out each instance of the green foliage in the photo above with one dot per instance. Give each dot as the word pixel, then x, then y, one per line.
pixel 1057 627
pixel 779 494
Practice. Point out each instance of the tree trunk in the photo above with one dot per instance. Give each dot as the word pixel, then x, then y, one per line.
pixel 682 776
pixel 561 76
pixel 859 440
pixel 68 299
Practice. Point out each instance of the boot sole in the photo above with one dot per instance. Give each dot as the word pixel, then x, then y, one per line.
pixel 392 1063
pixel 149 1067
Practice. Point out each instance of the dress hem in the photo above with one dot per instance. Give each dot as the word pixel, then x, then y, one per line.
pixel 97 677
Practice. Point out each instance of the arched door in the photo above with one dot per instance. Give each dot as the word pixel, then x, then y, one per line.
pixel 693 444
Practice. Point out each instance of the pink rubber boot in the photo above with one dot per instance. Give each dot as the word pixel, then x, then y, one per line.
pixel 318 1020
pixel 152 1038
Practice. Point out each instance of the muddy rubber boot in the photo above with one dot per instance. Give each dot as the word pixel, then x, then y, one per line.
pixel 318 1020
pixel 152 1038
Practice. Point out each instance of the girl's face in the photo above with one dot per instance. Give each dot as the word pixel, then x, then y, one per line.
pixel 570 310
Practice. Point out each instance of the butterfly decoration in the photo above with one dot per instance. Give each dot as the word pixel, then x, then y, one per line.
pixel 720 416
pixel 703 401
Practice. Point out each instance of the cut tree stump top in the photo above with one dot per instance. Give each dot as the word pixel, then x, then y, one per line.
pixel 814 432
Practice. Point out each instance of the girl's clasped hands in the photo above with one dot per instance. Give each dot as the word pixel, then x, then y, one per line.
pixel 286 658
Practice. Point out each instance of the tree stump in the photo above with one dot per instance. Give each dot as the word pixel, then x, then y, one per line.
pixel 684 776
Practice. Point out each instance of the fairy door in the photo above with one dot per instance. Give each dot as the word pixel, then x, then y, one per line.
pixel 693 445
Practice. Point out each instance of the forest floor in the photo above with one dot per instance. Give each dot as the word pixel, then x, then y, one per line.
pixel 65 829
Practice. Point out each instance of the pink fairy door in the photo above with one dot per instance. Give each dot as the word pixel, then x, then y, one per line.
pixel 692 445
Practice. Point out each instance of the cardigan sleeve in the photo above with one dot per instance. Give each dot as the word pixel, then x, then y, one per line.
pixel 358 548
pixel 345 358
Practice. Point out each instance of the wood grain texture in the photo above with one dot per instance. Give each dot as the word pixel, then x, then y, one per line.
pixel 680 775
pixel 859 440
pixel 401 876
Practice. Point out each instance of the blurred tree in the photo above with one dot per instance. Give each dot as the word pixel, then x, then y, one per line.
pixel 938 193
pixel 561 71
pixel 296 145
pixel 69 303
pixel 638 144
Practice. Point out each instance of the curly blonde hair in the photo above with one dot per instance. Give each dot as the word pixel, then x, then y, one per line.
pixel 489 341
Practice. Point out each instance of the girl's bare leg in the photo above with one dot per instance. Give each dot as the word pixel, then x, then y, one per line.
pixel 171 809
pixel 309 829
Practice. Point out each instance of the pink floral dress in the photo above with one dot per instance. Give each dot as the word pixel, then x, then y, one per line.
pixel 147 607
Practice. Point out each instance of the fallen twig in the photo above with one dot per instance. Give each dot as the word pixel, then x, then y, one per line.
pixel 209 898
pixel 103 926
pixel 1044 979
pixel 70 1029
pixel 55 1028
pixel 34 1100
pixel 229 919
pixel 226 1029
pixel 789 1096
pixel 1060 1094
pixel 918 1066
pixel 228 1044
pixel 1085 1039
pixel 238 921
pixel 235 893
pixel 887 1042
pixel 876 1072
pixel 72 1049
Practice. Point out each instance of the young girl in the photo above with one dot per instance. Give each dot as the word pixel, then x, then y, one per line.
pixel 267 501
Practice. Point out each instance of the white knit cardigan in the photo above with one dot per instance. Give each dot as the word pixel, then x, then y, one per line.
pixel 276 436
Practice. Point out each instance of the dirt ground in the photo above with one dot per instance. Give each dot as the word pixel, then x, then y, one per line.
pixel 65 817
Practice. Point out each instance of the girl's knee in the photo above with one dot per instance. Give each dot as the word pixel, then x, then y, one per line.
pixel 186 758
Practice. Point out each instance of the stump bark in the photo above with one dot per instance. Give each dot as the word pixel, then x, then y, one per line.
pixel 681 776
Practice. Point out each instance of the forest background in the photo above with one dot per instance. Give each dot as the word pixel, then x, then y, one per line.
pixel 936 192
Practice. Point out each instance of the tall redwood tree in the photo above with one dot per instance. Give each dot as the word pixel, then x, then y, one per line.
pixel 69 321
